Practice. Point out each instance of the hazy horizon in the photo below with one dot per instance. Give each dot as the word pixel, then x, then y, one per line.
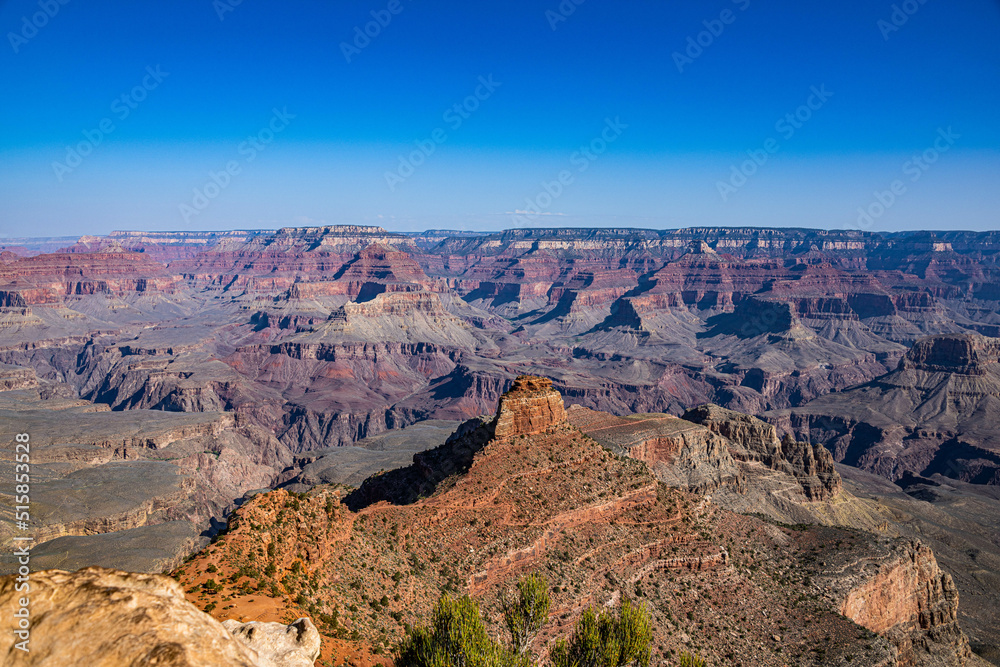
pixel 209 115
pixel 11 240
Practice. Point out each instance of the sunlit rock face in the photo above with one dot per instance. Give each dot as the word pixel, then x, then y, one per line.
pixel 108 618
pixel 531 406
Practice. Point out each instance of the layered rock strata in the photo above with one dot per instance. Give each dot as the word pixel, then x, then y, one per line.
pixel 530 406
pixel 936 413
pixel 907 598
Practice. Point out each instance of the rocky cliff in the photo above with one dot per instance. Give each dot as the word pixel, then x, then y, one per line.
pixel 49 279
pixel 16 377
pixel 935 413
pixel 754 440
pixel 964 354
pixel 327 335
pixel 108 618
pixel 106 479
pixel 623 320
pixel 680 453
pixel 736 458
pixel 903 595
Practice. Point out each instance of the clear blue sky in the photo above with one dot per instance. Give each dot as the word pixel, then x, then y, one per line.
pixel 892 91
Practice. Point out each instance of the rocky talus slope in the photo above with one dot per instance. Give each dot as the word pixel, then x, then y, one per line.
pixel 108 618
pixel 542 496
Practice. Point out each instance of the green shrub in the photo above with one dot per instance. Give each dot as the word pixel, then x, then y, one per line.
pixel 607 640
pixel 688 660
pixel 526 611
pixel 456 637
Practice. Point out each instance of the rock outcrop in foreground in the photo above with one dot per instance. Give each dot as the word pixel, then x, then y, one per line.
pixel 106 618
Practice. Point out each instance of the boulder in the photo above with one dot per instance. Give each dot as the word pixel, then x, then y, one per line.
pixel 278 645
pixel 109 618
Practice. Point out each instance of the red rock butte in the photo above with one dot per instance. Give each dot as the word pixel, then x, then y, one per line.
pixel 530 406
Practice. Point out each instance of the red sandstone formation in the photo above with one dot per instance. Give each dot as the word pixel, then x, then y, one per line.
pixel 907 598
pixel 623 320
pixel 49 279
pixel 275 262
pixel 326 335
pixel 530 406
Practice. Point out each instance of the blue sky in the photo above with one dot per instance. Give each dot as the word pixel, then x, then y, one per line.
pixel 592 113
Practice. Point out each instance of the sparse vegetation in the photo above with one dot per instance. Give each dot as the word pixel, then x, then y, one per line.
pixel 526 611
pixel 369 577
pixel 607 640
pixel 690 660
pixel 457 636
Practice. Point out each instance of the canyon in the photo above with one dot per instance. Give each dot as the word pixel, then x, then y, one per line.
pixel 843 379
pixel 388 329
